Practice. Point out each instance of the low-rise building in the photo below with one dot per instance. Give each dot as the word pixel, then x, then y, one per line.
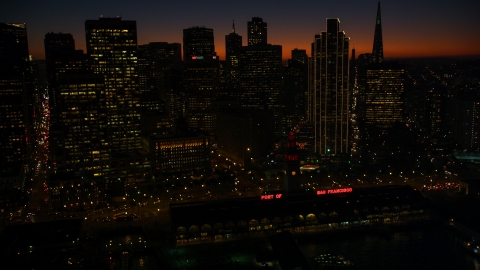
pixel 297 213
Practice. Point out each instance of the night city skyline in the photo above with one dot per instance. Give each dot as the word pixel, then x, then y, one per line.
pixel 290 135
pixel 411 28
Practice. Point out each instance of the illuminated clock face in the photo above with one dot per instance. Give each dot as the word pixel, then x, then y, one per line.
pixel 293 173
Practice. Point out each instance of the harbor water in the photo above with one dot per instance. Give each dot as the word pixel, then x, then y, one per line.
pixel 425 247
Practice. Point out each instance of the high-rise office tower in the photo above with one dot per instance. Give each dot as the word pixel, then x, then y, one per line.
pixel 200 78
pixel 160 67
pixel 59 48
pixel 261 81
pixel 300 56
pixel 16 99
pixel 198 41
pixel 295 88
pixel 257 31
pixel 233 45
pixel 384 95
pixel 82 145
pixel 377 52
pixel 329 91
pixel 61 57
pixel 465 127
pixel 112 47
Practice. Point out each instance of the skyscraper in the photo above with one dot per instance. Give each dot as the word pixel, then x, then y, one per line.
pixel 83 119
pixel 112 47
pixel 377 52
pixel 59 48
pixel 16 98
pixel 61 57
pixel 257 31
pixel 329 91
pixel 200 78
pixel 261 81
pixel 465 126
pixel 198 41
pixel 295 88
pixel 160 67
pixel 384 95
pixel 233 45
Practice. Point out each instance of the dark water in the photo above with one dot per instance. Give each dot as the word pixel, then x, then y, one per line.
pixel 431 247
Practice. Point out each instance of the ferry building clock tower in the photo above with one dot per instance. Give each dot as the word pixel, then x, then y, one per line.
pixel 292 165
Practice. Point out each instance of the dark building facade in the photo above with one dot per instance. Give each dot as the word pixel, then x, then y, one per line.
pixel 244 135
pixel 200 77
pixel 160 75
pixel 16 99
pixel 261 82
pixel 61 58
pixel 233 45
pixel 465 124
pixel 295 89
pixel 198 41
pixel 329 91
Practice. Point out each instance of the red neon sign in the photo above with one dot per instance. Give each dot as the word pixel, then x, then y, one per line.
pixel 270 196
pixel 334 191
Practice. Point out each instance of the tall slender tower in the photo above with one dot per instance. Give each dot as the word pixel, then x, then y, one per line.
pixel 257 31
pixel 329 91
pixel 377 52
pixel 233 45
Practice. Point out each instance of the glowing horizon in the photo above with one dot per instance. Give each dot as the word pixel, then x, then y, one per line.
pixel 410 28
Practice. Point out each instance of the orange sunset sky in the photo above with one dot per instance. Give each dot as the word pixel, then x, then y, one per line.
pixel 410 28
